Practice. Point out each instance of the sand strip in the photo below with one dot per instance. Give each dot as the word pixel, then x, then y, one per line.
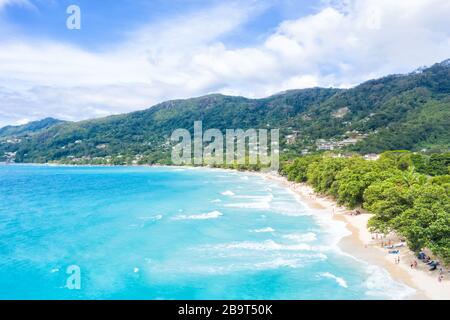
pixel 368 247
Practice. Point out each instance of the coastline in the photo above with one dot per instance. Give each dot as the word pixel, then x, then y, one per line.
pixel 360 244
pixel 367 247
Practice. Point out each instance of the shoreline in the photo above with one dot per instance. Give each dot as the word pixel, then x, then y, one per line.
pixel 360 244
pixel 365 246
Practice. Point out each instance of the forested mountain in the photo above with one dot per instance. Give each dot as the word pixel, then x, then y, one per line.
pixel 29 128
pixel 409 111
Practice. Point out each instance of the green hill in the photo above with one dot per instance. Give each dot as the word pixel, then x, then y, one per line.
pixel 29 128
pixel 409 111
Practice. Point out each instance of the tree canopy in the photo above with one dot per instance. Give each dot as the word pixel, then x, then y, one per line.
pixel 413 202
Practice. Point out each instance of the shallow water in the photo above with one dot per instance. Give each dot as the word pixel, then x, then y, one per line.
pixel 167 233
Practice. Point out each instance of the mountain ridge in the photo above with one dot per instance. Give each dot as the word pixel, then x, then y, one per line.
pixel 30 127
pixel 409 111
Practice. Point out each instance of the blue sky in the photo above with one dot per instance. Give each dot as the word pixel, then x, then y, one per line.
pixel 132 54
pixel 105 22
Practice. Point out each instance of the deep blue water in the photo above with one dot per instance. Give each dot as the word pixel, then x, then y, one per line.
pixel 166 233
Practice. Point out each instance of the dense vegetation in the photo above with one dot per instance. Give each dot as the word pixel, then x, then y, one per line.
pixel 396 112
pixel 146 133
pixel 408 193
pixel 29 128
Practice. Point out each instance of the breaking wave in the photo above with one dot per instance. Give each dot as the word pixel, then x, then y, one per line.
pixel 228 193
pixel 263 230
pixel 380 284
pixel 203 216
pixel 340 281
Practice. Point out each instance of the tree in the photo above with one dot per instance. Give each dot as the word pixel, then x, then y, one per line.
pixel 427 223
pixel 352 181
pixel 387 200
pixel 401 199
pixel 439 164
pixel 322 174
pixel 298 169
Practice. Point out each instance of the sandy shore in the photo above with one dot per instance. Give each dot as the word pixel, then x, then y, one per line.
pixel 368 247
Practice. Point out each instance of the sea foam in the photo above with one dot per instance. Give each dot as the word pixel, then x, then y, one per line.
pixel 263 230
pixel 254 202
pixel 380 284
pixel 164 255
pixel 267 245
pixel 152 218
pixel 340 281
pixel 228 193
pixel 301 237
pixel 203 216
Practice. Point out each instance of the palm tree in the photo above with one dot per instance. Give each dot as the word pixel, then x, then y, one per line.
pixel 411 177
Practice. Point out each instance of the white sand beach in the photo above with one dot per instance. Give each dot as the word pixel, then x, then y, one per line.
pixel 370 247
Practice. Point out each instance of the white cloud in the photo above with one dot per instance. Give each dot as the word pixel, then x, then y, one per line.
pixel 343 43
pixel 22 3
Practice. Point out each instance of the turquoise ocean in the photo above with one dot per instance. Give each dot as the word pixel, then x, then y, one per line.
pixel 171 233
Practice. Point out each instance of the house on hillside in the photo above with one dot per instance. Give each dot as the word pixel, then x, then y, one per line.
pixel 372 156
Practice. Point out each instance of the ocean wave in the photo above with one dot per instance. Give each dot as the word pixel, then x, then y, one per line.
pixel 264 230
pixel 279 263
pixel 147 221
pixel 203 216
pixel 254 202
pixel 301 237
pixel 334 230
pixel 289 208
pixel 380 284
pixel 239 264
pixel 249 205
pixel 268 197
pixel 228 193
pixel 216 201
pixel 152 218
pixel 340 281
pixel 267 245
